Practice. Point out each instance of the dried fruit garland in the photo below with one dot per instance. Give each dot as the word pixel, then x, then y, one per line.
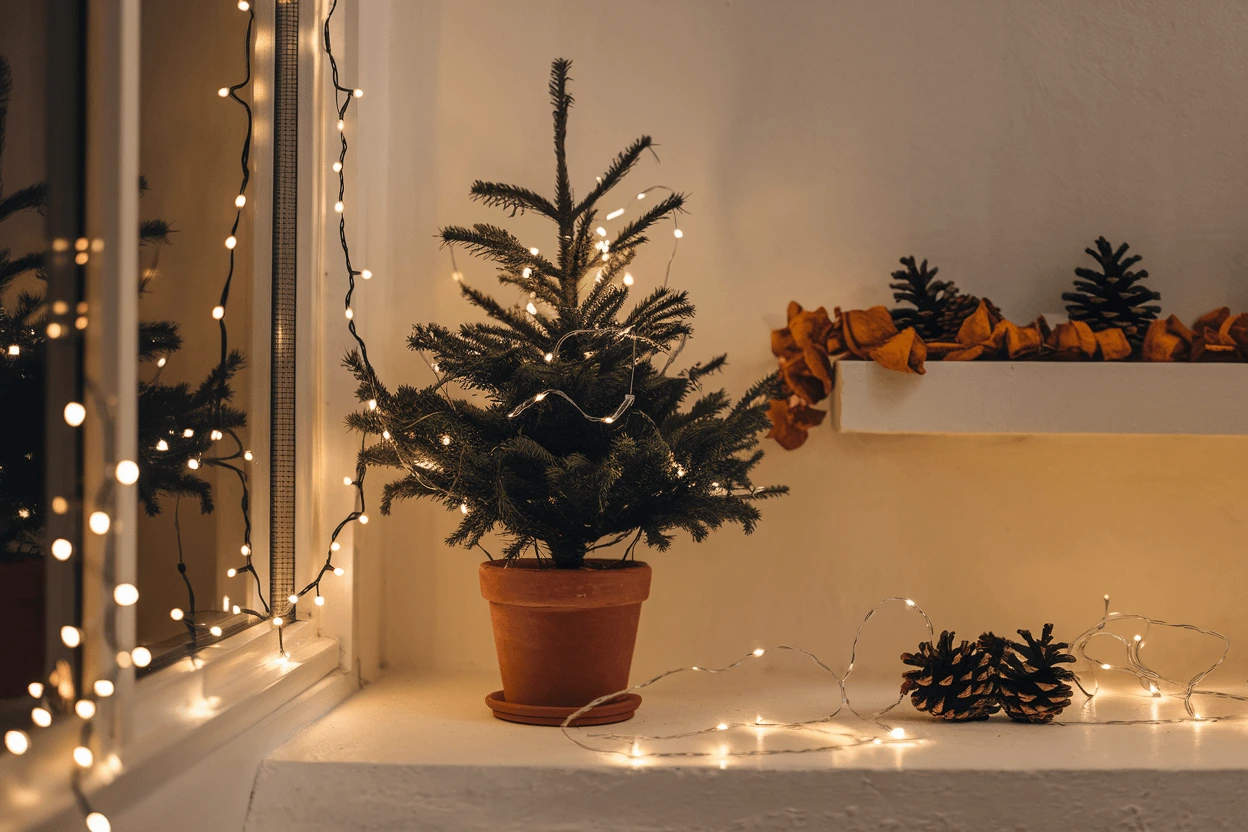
pixel 1112 319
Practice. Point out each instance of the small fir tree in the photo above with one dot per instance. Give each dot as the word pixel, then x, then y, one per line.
pixel 1113 296
pixel 523 458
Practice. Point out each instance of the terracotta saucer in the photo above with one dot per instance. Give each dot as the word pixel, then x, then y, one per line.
pixel 617 710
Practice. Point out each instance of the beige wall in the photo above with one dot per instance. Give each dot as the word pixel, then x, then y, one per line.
pixel 821 141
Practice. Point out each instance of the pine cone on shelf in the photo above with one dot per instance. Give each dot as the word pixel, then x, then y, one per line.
pixel 1113 296
pixel 1031 684
pixel 957 310
pixel 951 683
pixel 930 299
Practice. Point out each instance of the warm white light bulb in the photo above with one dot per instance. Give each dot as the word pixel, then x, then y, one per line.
pixel 337 167
pixel 372 404
pixel 319 601
pixel 723 726
pixel 85 708
pixel 341 125
pixel 385 434
pixel 103 688
pixel 1106 667
pixel 457 276
pixel 549 357
pixel 909 603
pixel 348 481
pixel 245 550
pixel 35 689
pixel 463 508
pixel 338 207
pixel 231 241
pixel 236 609
pixel 277 622
pixel 363 518
pixel 678 233
pixel 162 361
pixel 294 599
pixel 358 93
pixel 366 274
pixel 759 651
pixel 616 213
pixel 897 733
pixel 193 464
pixel 349 313
pixel 62 549
pixel 608 420
pixel 17 742
pixel 127 472
pixel 123 659
pixel 98 823
pixel 539 397
pixel 339 571
pixel 75 413
pixel 215 631
pixel 240 201
pixel 533 251
pixel 602 232
pixel 125 595
pixel 83 756
pixel 247 455
pixel 71 636
pixel 641 195
pixel 231 572
pixel 188 433
pixel 223 92
pixel 628 279
pixel 335 546
pixel 216 435
pixel 1138 638
pixel 176 614
pixel 99 522
pixel 14 349
pixel 41 717
pixel 141 656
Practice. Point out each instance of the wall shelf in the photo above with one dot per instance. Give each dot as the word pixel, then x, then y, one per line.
pixel 1043 397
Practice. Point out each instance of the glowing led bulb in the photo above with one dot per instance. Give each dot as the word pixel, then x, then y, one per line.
pixel 539 397
pixel 162 361
pixel 1137 638
pixel 75 413
pixel 1106 667
pixel 216 435
pixel 338 207
pixel 366 274
pixel 162 445
pixel 341 125
pixel 245 550
pixel 83 756
pixel 243 5
pixel 188 433
pixel 99 522
pixel 41 717
pixel 277 622
pixel 127 472
pixel 533 251
pixel 349 313
pixel 363 518
pixel 385 434
pixel 85 708
pixel 62 549
pixel 240 201
pixel 247 455
pixel 549 357
pixel 608 420
pixel 616 213
pixel 176 614
pixel 335 546
pixel 463 508
pixel 98 823
pixel 897 733
pixel 193 464
pixel 337 167
pixel 358 93
pixel 723 726
pixel 348 481
pixel 641 195
pixel 123 659
pixel 909 603
pixel 215 631
pixel 294 599
pixel 527 272
pixel 223 92
pixel 635 751
pixel 628 279
pixel 231 241
pixel 236 609
pixel 678 233
pixel 445 440
pixel 35 689
pixel 877 741
pixel 14 349
pixel 457 276
pixel 372 404
pixel 759 651
pixel 141 656
pixel 319 601
pixel 600 231
pixel 71 636
pixel 339 571
pixel 230 573
pixel 103 688
pixel 125 595
pixel 17 742
pixel 530 308
pixel 1153 689
pixel 218 312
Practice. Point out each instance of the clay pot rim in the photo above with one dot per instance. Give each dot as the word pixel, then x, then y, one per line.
pixel 524 583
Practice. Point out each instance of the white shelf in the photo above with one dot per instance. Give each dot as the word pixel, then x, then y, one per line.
pixel 1043 397
pixel 424 753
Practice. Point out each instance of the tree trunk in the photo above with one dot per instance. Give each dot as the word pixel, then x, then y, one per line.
pixel 567 554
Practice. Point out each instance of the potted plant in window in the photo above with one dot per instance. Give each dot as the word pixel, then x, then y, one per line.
pixel 557 424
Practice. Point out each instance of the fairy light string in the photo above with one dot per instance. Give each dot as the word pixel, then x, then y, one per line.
pixel 630 745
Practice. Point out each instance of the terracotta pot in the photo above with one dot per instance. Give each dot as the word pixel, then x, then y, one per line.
pixel 564 636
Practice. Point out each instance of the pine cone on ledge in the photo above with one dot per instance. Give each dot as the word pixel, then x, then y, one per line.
pixel 1031 684
pixel 957 684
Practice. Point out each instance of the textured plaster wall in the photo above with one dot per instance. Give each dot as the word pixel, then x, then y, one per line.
pixel 820 141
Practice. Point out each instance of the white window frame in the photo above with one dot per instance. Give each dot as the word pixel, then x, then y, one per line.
pixel 162 724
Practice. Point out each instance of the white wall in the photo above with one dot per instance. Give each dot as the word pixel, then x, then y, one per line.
pixel 820 141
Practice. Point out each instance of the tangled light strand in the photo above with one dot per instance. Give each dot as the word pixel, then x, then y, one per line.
pixel 893 734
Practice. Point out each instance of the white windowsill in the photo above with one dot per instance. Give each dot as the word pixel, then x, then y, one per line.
pixel 979 397
pixel 413 752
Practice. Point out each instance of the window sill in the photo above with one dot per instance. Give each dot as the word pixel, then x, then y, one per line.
pixel 979 397
pixel 424 751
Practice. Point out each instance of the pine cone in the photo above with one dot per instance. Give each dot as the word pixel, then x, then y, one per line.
pixel 1111 297
pixel 1031 685
pixel 957 310
pixel 953 683
pixel 930 298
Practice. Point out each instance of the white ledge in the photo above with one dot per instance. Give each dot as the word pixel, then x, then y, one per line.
pixel 424 753
pixel 1043 397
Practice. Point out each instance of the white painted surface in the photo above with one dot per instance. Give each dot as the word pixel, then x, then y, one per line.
pixel 1038 397
pixel 821 141
pixel 424 754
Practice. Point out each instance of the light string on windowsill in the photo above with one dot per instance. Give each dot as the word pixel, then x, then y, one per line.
pixel 629 745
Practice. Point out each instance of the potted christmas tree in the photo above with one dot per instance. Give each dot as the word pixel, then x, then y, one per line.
pixel 557 425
